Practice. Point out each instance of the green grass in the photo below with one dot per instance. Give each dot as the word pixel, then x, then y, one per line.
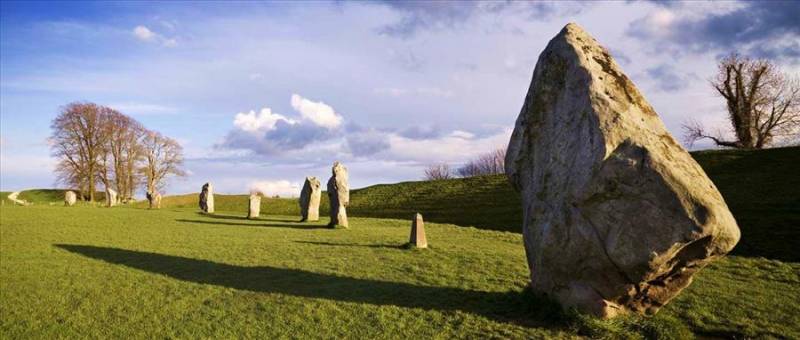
pixel 762 189
pixel 126 272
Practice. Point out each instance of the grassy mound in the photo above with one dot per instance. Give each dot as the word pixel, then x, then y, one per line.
pixel 136 273
pixel 762 189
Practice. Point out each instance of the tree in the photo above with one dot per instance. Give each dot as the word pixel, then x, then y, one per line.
pixel 124 147
pixel 77 141
pixel 163 156
pixel 489 163
pixel 763 103
pixel 438 171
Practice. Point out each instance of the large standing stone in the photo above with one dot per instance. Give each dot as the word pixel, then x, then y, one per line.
pixel 309 199
pixel 418 238
pixel 339 195
pixel 617 215
pixel 154 199
pixel 207 198
pixel 254 205
pixel 111 197
pixel 70 198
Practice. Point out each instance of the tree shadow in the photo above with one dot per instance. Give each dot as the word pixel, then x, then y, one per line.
pixel 518 307
pixel 256 224
pixel 244 218
pixel 389 246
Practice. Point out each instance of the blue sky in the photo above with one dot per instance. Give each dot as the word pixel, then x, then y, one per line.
pixel 263 94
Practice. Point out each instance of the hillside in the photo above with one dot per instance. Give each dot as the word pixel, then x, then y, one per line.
pixel 762 189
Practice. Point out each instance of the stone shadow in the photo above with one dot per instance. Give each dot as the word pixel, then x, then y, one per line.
pixel 256 223
pixel 244 218
pixel 386 246
pixel 518 307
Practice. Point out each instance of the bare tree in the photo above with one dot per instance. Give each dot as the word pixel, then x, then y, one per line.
pixel 163 156
pixel 77 142
pixel 438 171
pixel 762 102
pixel 489 163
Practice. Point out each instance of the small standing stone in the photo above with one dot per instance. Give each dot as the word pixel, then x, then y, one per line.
pixel 339 195
pixel 111 197
pixel 154 198
pixel 207 198
pixel 255 205
pixel 309 199
pixel 418 239
pixel 70 198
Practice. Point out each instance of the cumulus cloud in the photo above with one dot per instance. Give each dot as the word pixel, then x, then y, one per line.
pixel 762 28
pixel 282 188
pixel 319 113
pixel 270 133
pixel 145 34
pixel 264 120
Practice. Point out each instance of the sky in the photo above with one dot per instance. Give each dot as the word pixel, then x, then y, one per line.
pixel 262 94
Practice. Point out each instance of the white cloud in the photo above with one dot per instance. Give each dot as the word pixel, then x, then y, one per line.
pixel 147 35
pixel 143 33
pixel 265 120
pixel 282 188
pixel 318 112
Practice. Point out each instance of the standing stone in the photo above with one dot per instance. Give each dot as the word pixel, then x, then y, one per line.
pixel 255 205
pixel 418 239
pixel 309 199
pixel 111 197
pixel 339 195
pixel 207 198
pixel 617 215
pixel 70 198
pixel 154 198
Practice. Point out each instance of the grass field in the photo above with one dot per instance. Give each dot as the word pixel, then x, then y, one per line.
pixel 131 272
pixel 127 272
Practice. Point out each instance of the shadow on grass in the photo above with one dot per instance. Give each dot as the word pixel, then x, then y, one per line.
pixel 519 307
pixel 244 218
pixel 390 246
pixel 256 223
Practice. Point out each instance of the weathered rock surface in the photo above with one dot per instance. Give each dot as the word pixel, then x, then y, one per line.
pixel 617 215
pixel 418 238
pixel 207 198
pixel 339 195
pixel 154 199
pixel 111 197
pixel 309 199
pixel 254 205
pixel 70 198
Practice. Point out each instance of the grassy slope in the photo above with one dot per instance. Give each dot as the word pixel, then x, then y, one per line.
pixel 762 189
pixel 122 272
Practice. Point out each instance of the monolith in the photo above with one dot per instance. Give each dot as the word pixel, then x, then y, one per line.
pixel 70 198
pixel 339 195
pixel 111 197
pixel 418 238
pixel 254 205
pixel 154 199
pixel 309 199
pixel 207 198
pixel 617 216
